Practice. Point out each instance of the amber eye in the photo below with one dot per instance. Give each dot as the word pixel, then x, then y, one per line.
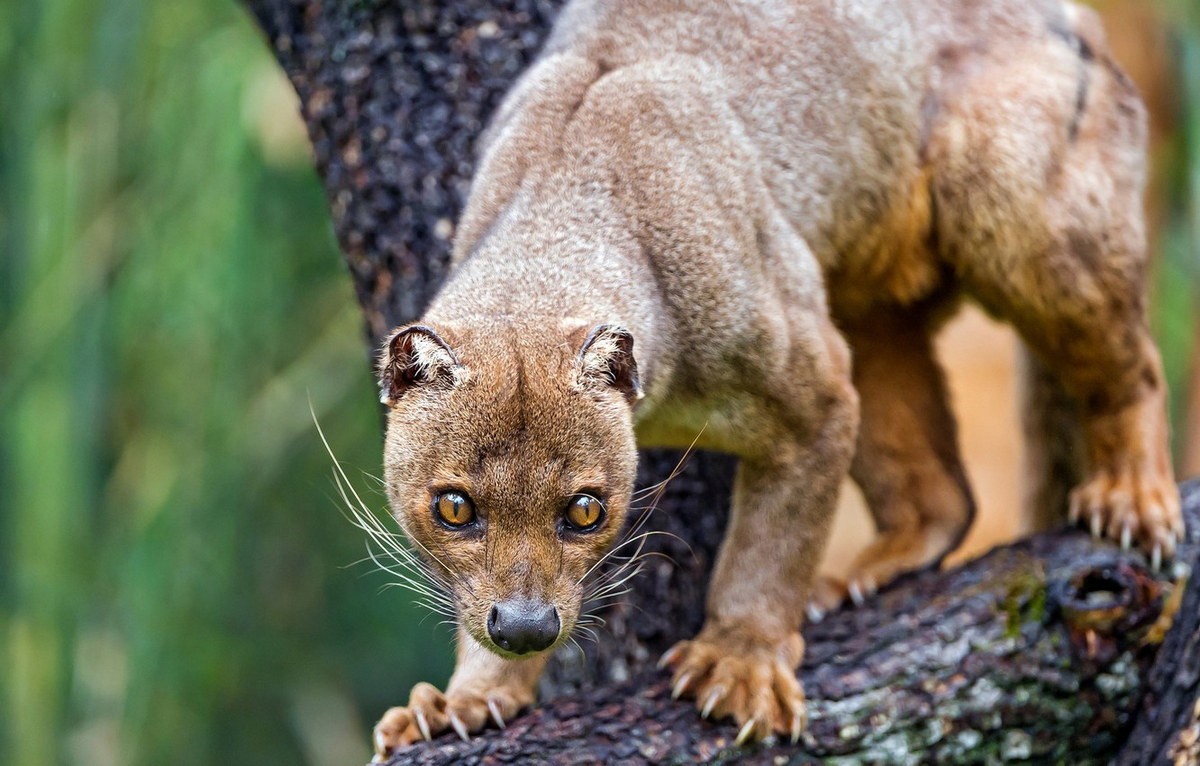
pixel 584 513
pixel 454 509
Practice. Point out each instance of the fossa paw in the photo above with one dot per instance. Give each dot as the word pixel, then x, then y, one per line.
pixel 1131 507
pixel 430 713
pixel 757 687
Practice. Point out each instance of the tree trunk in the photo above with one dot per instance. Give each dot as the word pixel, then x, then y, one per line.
pixel 1040 650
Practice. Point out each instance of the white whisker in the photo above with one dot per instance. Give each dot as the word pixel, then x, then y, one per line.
pixel 401 563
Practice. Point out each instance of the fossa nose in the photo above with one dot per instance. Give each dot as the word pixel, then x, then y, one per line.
pixel 523 626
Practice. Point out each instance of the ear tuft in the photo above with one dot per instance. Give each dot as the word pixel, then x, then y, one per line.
pixel 415 356
pixel 606 361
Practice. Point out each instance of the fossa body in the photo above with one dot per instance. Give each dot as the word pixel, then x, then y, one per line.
pixel 743 222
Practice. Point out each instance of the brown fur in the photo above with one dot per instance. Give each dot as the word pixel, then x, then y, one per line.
pixel 727 185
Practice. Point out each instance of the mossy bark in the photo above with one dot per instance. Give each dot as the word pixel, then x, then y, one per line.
pixel 1051 650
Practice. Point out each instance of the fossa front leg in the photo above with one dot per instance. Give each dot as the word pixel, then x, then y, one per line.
pixel 484 688
pixel 743 662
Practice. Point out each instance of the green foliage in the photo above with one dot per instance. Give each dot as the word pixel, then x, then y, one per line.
pixel 1176 289
pixel 177 581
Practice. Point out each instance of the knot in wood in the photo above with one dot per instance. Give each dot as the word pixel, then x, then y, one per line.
pixel 1105 606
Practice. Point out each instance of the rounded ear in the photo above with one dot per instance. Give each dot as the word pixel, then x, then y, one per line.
pixel 606 360
pixel 415 356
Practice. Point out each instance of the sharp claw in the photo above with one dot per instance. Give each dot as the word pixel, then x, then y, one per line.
pixel 814 612
pixel 668 657
pixel 748 729
pixel 460 728
pixel 1156 558
pixel 1096 526
pixel 680 685
pixel 1073 513
pixel 797 727
pixel 1126 537
pixel 711 702
pixel 382 751
pixel 856 594
pixel 494 709
pixel 423 725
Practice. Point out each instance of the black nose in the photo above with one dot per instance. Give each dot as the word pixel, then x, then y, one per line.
pixel 522 626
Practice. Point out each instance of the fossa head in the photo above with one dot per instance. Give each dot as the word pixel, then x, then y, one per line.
pixel 509 462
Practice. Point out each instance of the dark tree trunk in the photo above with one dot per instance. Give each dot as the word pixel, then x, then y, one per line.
pixel 997 659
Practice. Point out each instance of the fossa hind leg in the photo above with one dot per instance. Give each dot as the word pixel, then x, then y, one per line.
pixel 1038 176
pixel 906 462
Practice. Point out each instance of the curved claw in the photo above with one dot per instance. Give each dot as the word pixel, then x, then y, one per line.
pixel 460 728
pixel 747 730
pixel 1156 557
pixel 1126 536
pixel 494 709
pixel 814 612
pixel 856 594
pixel 382 751
pixel 711 702
pixel 1095 527
pixel 797 727
pixel 423 725
pixel 680 685
pixel 669 656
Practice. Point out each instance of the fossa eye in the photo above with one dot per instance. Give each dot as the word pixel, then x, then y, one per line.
pixel 584 513
pixel 454 509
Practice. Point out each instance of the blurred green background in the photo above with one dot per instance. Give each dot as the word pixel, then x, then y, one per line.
pixel 177 582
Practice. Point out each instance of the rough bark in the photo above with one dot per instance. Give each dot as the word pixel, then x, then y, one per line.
pixel 995 660
pixel 1167 728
